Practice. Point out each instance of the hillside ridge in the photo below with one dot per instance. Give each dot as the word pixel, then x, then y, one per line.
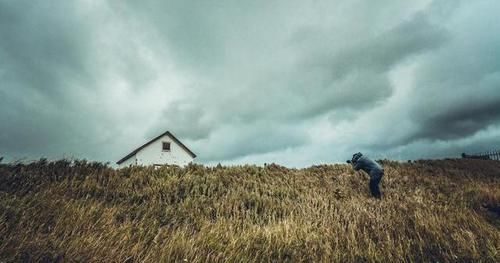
pixel 439 210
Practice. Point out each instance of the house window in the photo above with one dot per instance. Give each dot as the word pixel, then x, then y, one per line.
pixel 166 147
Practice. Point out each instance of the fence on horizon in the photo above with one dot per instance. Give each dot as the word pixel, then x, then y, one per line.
pixel 490 155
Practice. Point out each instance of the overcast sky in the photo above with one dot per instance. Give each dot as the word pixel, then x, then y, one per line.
pixel 292 82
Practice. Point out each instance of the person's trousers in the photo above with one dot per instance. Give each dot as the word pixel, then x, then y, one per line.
pixel 375 178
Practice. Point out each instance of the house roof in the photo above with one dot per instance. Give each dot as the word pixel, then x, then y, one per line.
pixel 153 140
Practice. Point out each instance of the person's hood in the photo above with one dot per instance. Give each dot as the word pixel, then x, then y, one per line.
pixel 356 156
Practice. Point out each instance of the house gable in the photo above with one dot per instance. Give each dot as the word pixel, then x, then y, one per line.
pixel 146 152
pixel 156 154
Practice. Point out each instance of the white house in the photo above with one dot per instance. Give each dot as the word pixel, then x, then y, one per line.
pixel 164 149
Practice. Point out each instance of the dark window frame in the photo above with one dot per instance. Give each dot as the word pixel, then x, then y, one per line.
pixel 165 149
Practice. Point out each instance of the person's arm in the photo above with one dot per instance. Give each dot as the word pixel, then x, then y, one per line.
pixel 353 164
pixel 356 166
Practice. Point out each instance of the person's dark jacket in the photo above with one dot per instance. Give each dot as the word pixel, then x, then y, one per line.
pixel 369 166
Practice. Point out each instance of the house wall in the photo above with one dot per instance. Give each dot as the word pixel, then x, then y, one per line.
pixel 130 161
pixel 153 154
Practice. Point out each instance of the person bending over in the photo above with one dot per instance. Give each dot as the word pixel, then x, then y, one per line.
pixel 372 168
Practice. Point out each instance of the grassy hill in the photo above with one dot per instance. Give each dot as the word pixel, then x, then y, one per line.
pixel 430 211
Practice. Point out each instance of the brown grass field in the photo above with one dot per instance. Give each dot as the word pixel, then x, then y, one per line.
pixel 446 211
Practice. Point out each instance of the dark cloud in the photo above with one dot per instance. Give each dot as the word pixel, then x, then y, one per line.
pixel 41 47
pixel 380 52
pixel 283 81
pixel 320 81
pixel 464 120
pixel 261 137
pixel 456 90
pixel 51 75
pixel 185 119
pixel 40 50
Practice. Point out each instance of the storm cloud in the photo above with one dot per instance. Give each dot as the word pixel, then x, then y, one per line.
pixel 250 81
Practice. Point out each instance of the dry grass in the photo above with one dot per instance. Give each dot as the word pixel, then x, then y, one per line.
pixel 445 211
